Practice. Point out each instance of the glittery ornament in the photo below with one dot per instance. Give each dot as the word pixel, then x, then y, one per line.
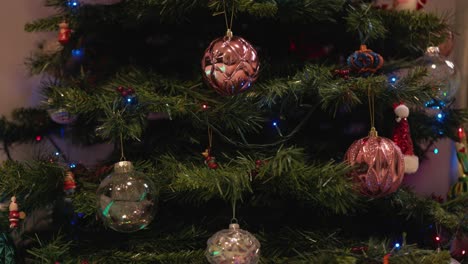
pixel 230 65
pixel 126 199
pixel 365 61
pixel 379 165
pixel 441 73
pixel 61 116
pixel 402 138
pixel 233 246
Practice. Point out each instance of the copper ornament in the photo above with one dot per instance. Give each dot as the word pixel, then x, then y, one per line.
pixel 379 165
pixel 230 65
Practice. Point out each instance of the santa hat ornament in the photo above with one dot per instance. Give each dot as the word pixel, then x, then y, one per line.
pixel 402 138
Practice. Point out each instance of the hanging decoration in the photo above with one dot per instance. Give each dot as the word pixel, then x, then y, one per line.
pixel 210 160
pixel 126 198
pixel 233 246
pixel 402 138
pixel 230 63
pixel 364 61
pixel 61 116
pixel 14 214
pixel 441 73
pixel 69 184
pixel 64 33
pixel 378 162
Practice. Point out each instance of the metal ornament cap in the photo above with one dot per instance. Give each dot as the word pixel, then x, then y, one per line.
pixel 123 166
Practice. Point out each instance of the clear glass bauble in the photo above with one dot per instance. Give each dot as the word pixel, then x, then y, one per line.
pixel 233 246
pixel 442 73
pixel 126 199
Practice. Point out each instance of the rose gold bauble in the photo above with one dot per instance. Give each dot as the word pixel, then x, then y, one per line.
pixel 230 65
pixel 379 165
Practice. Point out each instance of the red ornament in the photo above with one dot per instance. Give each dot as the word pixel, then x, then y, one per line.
pixel 402 138
pixel 210 161
pixel 14 214
pixel 379 165
pixel 343 73
pixel 230 65
pixel 64 33
pixel 125 91
pixel 69 184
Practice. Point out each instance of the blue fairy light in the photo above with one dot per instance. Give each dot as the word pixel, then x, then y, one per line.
pixel 436 151
pixel 73 3
pixel 392 79
pixel 72 165
pixel 397 245
pixel 77 53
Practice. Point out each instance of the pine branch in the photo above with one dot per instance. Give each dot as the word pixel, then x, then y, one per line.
pixel 34 183
pixel 56 250
pixel 44 24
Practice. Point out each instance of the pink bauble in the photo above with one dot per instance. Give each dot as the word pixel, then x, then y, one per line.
pixel 230 65
pixel 379 165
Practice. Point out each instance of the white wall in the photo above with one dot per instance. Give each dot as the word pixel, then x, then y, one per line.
pixel 17 87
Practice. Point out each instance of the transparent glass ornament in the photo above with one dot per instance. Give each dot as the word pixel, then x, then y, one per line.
pixel 126 199
pixel 442 73
pixel 233 246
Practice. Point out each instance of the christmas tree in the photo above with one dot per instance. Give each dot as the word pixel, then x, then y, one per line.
pixel 273 121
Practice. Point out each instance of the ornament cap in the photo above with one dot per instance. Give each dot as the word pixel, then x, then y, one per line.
pixel 433 51
pixel 234 226
pixel 123 167
pixel 363 47
pixel 229 33
pixel 373 132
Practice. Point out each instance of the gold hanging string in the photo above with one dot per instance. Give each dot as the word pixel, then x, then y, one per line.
pixel 234 219
pixel 228 25
pixel 210 137
pixel 371 100
pixel 122 155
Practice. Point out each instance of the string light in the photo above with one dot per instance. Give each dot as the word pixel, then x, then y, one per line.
pixel 397 245
pixel 436 151
pixel 437 238
pixel 205 106
pixel 440 117
pixel 275 124
pixel 57 153
pixel 77 53
pixel 463 252
pixel 72 165
pixel 393 79
pixel 38 138
pixel 73 3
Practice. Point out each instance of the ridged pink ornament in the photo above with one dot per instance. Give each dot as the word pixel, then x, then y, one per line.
pixel 230 65
pixel 379 165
